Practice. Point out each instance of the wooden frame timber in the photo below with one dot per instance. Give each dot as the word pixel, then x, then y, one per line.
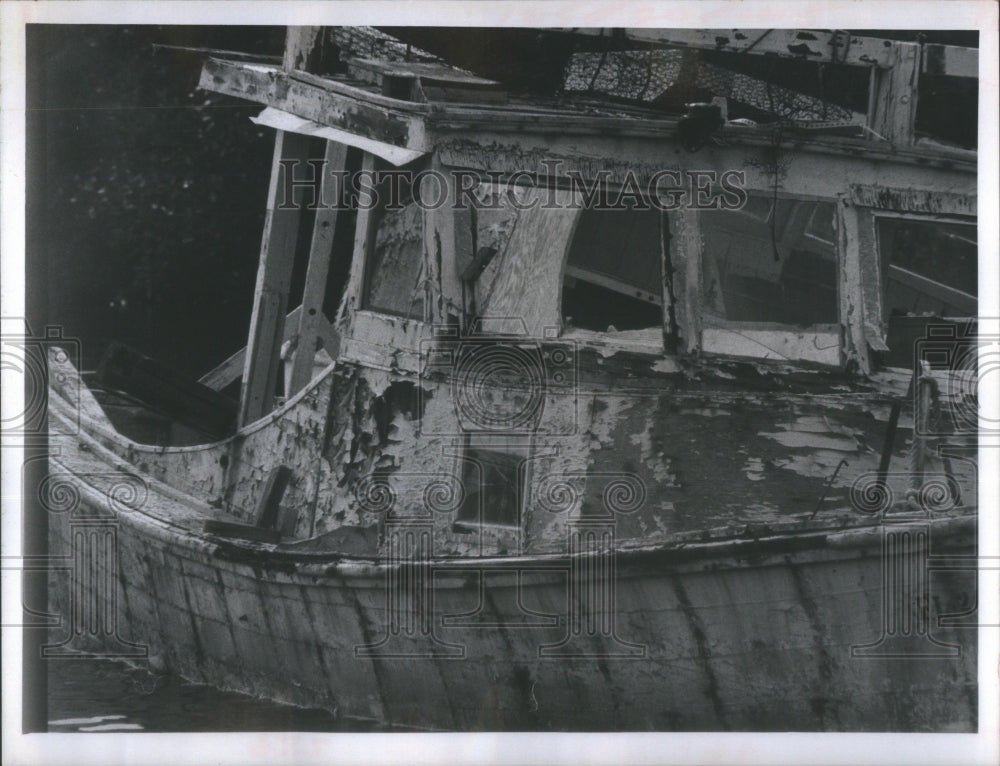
pixel 274 275
pixel 314 292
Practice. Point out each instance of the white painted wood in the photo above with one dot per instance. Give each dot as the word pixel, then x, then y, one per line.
pixel 260 372
pixel 320 253
pixel 895 104
pixel 807 346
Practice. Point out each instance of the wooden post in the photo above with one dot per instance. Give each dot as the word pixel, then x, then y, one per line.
pixel 274 274
pixel 671 333
pixel 894 101
pixel 852 307
pixel 685 253
pixel 307 49
pixel 314 293
pixel 364 234
pixel 277 254
pixel 448 245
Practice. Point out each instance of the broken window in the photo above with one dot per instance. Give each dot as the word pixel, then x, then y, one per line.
pixel 930 272
pixel 394 273
pixel 612 281
pixel 772 261
pixel 493 475
pixel 931 268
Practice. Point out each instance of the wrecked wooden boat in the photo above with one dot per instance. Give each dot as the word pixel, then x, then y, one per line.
pixel 625 418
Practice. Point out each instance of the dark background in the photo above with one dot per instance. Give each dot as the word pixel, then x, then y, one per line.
pixel 146 195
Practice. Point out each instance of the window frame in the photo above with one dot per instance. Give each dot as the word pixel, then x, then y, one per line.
pixel 374 216
pixel 519 445
pixel 879 215
pixel 623 340
pixel 820 343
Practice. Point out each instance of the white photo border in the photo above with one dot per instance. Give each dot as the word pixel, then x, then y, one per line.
pixel 552 749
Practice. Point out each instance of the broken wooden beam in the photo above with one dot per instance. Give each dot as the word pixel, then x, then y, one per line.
pixel 893 99
pixel 354 110
pixel 231 369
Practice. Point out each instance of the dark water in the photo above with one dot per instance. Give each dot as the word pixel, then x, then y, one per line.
pixel 97 695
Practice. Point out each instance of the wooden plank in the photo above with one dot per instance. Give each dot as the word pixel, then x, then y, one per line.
pixel 952 60
pixel 309 49
pixel 852 304
pixel 912 200
pixel 815 170
pixel 671 332
pixel 424 82
pixel 448 245
pixel 821 46
pixel 685 253
pixel 260 372
pixel 272 87
pixel 616 285
pixel 242 531
pixel 232 368
pixel 894 106
pixel 872 289
pixel 530 271
pixel 320 252
pixel 418 70
pixel 822 347
pixel 936 290
pixel 364 237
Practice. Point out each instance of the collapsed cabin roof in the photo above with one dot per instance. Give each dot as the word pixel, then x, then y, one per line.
pixel 401 87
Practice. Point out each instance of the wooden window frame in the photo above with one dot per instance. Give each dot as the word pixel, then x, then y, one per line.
pixel 520 445
pixel 605 341
pixel 709 334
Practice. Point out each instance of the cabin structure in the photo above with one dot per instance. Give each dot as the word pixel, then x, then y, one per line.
pixel 639 240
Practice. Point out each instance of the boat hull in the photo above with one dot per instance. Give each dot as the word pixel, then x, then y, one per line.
pixel 791 634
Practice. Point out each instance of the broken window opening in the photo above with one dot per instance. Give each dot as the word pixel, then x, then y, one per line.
pixel 394 282
pixel 494 475
pixel 930 267
pixel 612 280
pixel 774 261
pixel 930 272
